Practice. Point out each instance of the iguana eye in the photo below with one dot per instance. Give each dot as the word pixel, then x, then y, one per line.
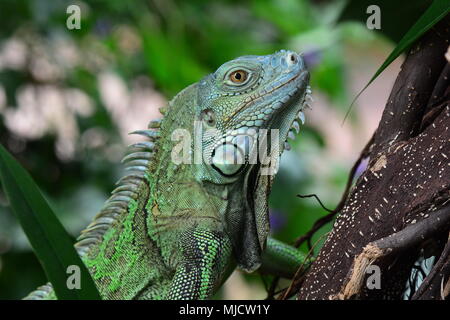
pixel 238 76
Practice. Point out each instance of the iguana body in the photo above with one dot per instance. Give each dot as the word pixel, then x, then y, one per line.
pixel 176 230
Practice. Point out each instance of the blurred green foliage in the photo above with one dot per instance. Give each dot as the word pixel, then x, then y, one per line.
pixel 174 43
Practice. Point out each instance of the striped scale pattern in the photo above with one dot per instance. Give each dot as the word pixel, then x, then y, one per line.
pixel 205 253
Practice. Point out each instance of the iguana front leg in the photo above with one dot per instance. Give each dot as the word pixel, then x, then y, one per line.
pixel 206 255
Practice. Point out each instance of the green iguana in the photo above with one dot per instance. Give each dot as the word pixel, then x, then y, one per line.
pixel 177 229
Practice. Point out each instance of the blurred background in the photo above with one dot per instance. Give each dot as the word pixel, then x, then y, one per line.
pixel 68 99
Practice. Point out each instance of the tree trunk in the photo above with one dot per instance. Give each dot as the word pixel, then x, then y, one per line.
pixel 399 207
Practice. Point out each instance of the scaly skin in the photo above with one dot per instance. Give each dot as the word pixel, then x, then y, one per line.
pixel 176 230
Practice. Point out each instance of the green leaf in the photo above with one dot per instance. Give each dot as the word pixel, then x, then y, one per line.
pixel 437 10
pixel 50 241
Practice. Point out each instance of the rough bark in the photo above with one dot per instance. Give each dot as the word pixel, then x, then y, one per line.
pixel 405 186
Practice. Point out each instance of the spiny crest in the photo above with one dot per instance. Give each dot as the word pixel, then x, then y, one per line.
pixel 295 128
pixel 136 163
pixel 40 293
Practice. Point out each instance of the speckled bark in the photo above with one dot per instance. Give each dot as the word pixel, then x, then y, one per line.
pixel 407 179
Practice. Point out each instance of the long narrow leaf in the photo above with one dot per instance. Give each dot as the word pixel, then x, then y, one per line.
pixel 435 12
pixel 50 241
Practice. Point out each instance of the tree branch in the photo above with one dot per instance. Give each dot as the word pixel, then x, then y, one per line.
pixel 408 238
pixel 408 177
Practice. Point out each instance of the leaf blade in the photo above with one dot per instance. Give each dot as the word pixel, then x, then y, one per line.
pixel 435 12
pixel 50 241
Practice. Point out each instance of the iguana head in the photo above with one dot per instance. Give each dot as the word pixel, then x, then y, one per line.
pixel 235 104
pixel 244 96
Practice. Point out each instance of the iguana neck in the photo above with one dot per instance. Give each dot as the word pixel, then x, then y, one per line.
pixel 178 201
pixel 122 246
